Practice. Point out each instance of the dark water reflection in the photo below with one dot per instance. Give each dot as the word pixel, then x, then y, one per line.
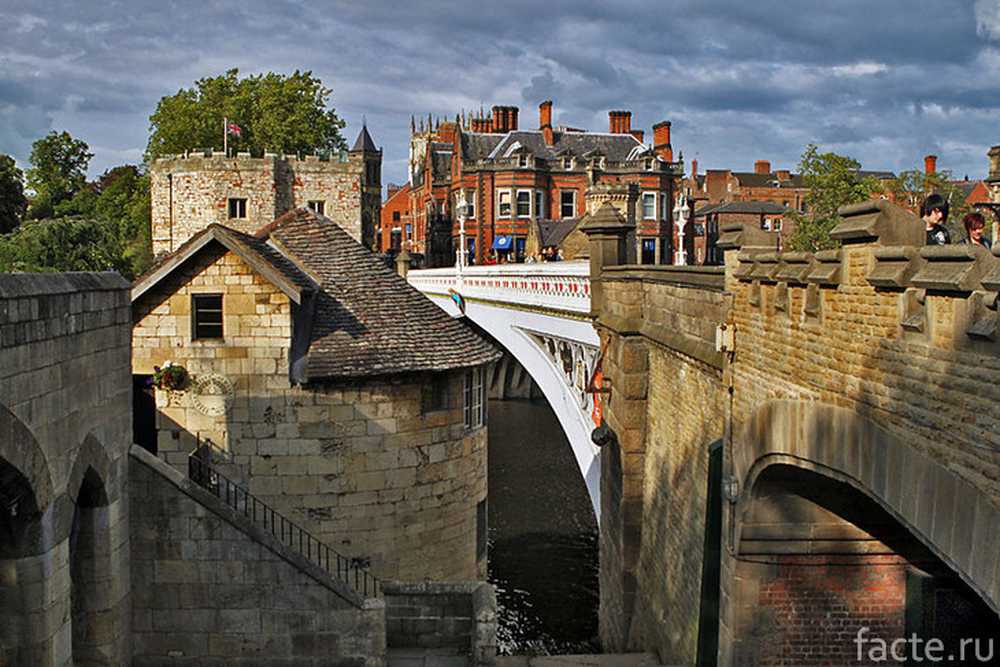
pixel 543 535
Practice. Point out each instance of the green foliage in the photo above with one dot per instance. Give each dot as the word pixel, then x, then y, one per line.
pixel 64 244
pixel 110 217
pixel 833 181
pixel 13 203
pixel 911 187
pixel 275 112
pixel 58 171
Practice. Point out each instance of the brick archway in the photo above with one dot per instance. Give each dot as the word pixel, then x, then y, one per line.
pixel 950 516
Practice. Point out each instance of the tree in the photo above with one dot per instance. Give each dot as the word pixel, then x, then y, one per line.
pixel 833 181
pixel 274 112
pixel 13 203
pixel 911 187
pixel 58 171
pixel 65 244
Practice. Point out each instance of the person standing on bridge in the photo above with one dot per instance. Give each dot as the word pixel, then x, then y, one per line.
pixel 974 224
pixel 934 211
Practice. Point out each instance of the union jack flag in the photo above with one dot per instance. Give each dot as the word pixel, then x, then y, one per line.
pixel 233 129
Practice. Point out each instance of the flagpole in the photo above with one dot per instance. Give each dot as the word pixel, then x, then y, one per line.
pixel 225 136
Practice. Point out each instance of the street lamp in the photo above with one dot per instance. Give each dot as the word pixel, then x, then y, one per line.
pixel 462 210
pixel 681 214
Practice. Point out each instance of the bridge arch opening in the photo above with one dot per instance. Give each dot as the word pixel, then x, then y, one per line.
pixel 827 576
pixel 92 579
pixel 20 521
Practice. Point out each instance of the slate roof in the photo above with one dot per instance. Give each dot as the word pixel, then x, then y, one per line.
pixel 364 141
pixel 478 146
pixel 615 147
pixel 552 232
pixel 358 318
pixel 754 180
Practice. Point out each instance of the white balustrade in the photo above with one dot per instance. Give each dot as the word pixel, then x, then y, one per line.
pixel 560 286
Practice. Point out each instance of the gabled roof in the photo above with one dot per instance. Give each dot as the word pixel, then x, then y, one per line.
pixel 615 147
pixel 364 141
pixel 553 232
pixel 261 257
pixel 358 317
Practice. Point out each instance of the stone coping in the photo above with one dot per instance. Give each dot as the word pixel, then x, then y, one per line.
pixel 706 277
pixel 21 285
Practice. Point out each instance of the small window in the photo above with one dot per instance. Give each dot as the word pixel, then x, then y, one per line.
pixel 435 394
pixel 649 206
pixel 524 203
pixel 395 216
pixel 206 316
pixel 318 206
pixel 409 232
pixel 522 160
pixel 567 203
pixel 474 399
pixel 396 239
pixel 567 163
pixel 237 208
pixel 540 204
pixel 504 204
pixel 471 203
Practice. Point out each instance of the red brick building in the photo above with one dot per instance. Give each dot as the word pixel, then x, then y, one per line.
pixel 395 230
pixel 510 178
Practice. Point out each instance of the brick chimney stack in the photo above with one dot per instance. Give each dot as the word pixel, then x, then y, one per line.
pixel 545 122
pixel 620 122
pixel 930 164
pixel 661 140
pixel 512 115
pixel 762 167
pixel 613 122
pixel 638 134
pixel 694 168
pixel 504 119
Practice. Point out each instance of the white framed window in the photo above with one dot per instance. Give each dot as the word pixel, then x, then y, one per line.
pixel 522 160
pixel 318 205
pixel 470 201
pixel 567 203
pixel 503 204
pixel 474 398
pixel 540 204
pixel 524 203
pixel 567 163
pixel 649 206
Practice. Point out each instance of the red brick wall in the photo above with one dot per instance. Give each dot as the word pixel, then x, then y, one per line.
pixel 810 610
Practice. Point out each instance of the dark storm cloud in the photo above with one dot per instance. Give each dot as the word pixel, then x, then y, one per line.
pixel 885 82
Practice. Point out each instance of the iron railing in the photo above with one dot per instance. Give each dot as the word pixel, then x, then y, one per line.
pixel 351 571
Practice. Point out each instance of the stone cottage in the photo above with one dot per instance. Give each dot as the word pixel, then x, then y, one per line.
pixel 326 386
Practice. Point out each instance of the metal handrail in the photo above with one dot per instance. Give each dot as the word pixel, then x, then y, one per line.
pixel 347 570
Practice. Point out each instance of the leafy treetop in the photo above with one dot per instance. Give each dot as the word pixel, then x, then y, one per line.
pixel 13 203
pixel 58 171
pixel 274 112
pixel 833 181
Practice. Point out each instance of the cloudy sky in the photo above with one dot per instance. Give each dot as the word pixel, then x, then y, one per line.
pixel 886 82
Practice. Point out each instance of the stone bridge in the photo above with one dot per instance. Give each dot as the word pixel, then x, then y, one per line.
pixel 802 446
pixel 541 314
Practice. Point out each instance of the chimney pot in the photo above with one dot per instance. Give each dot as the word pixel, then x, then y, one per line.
pixel 930 164
pixel 626 122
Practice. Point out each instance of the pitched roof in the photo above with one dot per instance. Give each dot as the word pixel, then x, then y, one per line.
pixel 364 141
pixel 752 179
pixel 615 147
pixel 360 318
pixel 553 232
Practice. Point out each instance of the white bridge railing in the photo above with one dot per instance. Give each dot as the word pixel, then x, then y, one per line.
pixel 551 285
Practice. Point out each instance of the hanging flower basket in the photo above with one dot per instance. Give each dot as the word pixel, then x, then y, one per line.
pixel 170 376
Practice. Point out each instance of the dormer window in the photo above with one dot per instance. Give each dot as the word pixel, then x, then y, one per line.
pixel 649 165
pixel 567 163
pixel 522 160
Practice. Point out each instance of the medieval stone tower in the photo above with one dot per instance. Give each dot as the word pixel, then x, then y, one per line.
pixel 193 190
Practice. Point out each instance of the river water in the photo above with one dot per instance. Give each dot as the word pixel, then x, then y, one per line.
pixel 543 554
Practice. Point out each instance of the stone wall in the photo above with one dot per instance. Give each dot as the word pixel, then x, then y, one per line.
pixel 189 192
pixel 460 617
pixel 210 587
pixel 869 366
pixel 64 430
pixel 357 463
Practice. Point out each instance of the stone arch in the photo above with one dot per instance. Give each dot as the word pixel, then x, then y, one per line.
pixel 955 520
pixel 91 460
pixel 95 606
pixel 20 449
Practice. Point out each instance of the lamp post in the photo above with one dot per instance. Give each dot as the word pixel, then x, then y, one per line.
pixel 462 210
pixel 681 214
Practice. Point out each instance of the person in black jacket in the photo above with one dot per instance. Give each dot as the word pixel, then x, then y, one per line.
pixel 974 226
pixel 934 211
